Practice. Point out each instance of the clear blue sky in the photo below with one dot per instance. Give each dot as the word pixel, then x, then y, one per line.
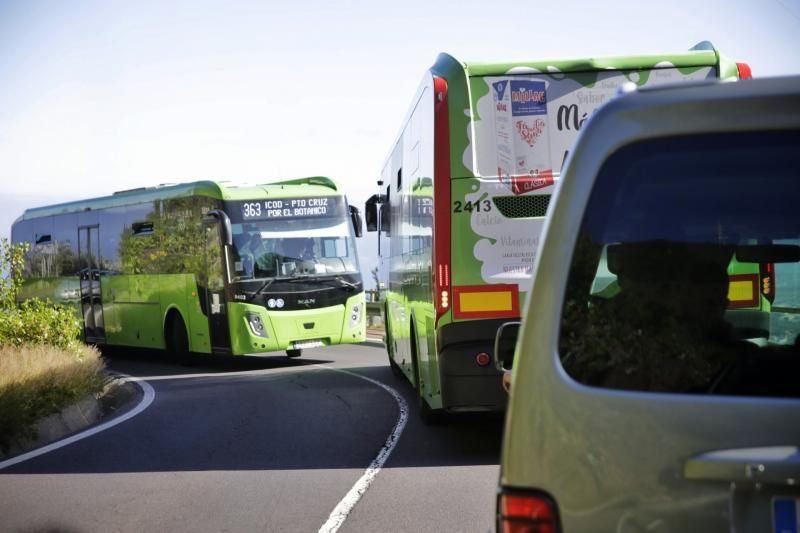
pixel 98 96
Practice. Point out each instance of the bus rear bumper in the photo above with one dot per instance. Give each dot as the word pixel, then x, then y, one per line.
pixel 468 381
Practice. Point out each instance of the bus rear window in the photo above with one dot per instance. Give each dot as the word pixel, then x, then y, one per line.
pixel 676 230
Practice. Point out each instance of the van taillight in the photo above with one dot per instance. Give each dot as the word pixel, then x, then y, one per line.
pixel 744 71
pixel 519 512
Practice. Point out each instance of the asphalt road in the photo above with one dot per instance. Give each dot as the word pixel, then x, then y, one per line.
pixel 262 444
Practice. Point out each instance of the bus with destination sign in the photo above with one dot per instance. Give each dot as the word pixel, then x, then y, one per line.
pixel 462 200
pixel 203 267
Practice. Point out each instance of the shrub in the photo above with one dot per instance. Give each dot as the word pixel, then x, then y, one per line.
pixel 38 322
pixel 44 367
pixel 34 321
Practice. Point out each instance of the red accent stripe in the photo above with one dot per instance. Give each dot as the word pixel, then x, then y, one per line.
pixel 458 290
pixel 441 193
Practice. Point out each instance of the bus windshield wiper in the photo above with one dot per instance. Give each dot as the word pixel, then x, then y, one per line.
pixel 340 279
pixel 263 287
pixel 267 283
pixel 346 283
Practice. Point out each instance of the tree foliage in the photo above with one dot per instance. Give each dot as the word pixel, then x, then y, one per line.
pixel 34 321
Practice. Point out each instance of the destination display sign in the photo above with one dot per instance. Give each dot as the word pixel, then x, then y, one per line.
pixel 285 208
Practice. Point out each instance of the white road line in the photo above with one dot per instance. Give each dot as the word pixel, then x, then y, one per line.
pixel 149 396
pixel 340 512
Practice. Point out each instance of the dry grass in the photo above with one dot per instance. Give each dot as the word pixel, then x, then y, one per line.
pixel 37 381
pixel 18 365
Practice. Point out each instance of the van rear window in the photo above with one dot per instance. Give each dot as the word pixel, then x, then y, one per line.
pixel 686 274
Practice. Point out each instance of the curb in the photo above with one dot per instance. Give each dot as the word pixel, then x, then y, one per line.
pixel 116 395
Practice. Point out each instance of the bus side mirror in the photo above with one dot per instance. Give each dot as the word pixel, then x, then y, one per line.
pixel 386 218
pixel 358 224
pixel 225 224
pixel 371 213
pixel 504 343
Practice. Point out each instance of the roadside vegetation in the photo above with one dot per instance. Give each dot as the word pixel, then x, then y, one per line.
pixel 44 366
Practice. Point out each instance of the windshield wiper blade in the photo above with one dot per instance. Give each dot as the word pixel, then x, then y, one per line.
pixel 267 283
pixel 263 287
pixel 346 283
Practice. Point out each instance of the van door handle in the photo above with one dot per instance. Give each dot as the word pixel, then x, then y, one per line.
pixel 774 465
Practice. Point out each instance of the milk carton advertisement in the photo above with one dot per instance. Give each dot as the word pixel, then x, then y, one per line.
pixel 523 147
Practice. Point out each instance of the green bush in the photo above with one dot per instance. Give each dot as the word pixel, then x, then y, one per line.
pixel 32 322
pixel 35 322
pixel 44 366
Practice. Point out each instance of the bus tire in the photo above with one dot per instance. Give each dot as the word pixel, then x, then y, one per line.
pixel 292 353
pixel 396 370
pixel 178 340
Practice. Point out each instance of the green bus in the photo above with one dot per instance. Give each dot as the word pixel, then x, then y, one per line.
pixel 204 267
pixel 462 201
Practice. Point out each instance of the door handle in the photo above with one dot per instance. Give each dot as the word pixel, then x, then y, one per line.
pixel 775 465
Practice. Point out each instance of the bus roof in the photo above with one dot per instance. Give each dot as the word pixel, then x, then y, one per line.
pixel 700 55
pixel 223 190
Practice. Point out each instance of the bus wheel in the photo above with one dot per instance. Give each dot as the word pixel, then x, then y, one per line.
pixel 178 340
pixel 396 370
pixel 293 353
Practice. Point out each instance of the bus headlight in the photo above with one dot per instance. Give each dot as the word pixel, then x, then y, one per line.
pixel 256 324
pixel 355 315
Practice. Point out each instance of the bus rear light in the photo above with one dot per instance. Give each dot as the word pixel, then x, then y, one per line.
pixel 526 513
pixel 745 73
pixel 441 195
pixel 483 359
pixel 767 273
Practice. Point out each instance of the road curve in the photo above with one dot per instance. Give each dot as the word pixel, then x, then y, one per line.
pixel 262 444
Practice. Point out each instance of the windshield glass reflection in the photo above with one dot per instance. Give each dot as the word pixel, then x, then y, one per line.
pixel 289 248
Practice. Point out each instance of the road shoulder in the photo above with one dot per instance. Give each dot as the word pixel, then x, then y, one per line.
pixel 118 396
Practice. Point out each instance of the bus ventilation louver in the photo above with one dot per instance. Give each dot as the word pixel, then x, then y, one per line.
pixel 528 206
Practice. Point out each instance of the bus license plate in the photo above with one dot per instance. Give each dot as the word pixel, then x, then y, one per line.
pixel 302 345
pixel 786 515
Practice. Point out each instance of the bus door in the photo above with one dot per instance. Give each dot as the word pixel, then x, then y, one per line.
pixel 214 275
pixel 91 300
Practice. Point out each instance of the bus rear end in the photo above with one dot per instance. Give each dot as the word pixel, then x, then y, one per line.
pixel 524 121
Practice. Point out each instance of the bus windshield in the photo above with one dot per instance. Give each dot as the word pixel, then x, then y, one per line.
pixel 293 247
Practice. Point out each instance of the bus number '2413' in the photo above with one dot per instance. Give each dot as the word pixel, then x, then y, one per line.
pixel 469 207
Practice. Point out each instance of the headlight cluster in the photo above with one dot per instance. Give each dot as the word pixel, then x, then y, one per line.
pixel 256 324
pixel 355 315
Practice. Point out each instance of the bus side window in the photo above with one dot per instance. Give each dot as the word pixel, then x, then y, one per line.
pixel 213 251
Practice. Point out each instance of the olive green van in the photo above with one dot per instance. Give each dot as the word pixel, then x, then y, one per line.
pixel 638 402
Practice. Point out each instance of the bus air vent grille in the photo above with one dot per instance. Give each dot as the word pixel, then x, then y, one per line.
pixel 529 206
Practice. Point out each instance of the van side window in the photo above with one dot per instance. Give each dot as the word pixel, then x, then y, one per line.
pixel 683 248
